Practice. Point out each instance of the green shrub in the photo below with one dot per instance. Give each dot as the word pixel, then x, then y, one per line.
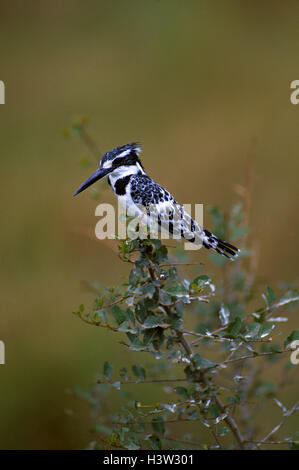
pixel 213 375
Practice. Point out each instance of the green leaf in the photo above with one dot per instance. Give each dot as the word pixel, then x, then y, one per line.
pixel 202 280
pixel 237 398
pixel 201 328
pixel 182 391
pixel 135 343
pixel 177 290
pixel 113 438
pixel 294 445
pixel 164 298
pixel 140 311
pixel 107 370
pixel 265 329
pixel 214 411
pixel 119 315
pixel 159 339
pixel 131 444
pixel 101 314
pixel 179 309
pixel 148 291
pixel 155 442
pixel 252 330
pixel 234 327
pixel 270 296
pixel 274 348
pixel 123 373
pixel 133 276
pixel 139 371
pixel 152 303
pixel 292 337
pixel 96 317
pixel 260 315
pixel 158 425
pixel 153 321
pixel 161 254
pixel 122 431
pixel 222 431
pixel 126 328
pixel 149 335
pixel 202 363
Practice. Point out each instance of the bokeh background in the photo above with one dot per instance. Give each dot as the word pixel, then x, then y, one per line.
pixel 203 85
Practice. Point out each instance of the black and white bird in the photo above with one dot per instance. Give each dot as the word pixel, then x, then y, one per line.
pixel 137 192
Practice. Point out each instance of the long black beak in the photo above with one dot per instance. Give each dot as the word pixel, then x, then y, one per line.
pixel 97 175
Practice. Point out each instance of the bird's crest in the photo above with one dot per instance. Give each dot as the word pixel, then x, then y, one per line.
pixel 122 151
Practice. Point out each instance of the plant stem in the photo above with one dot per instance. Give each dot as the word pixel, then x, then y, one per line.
pixel 228 419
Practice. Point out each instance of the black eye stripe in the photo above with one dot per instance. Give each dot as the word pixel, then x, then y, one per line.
pixel 130 159
pixel 127 160
pixel 119 161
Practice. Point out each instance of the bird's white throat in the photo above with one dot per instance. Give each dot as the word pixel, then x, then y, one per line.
pixel 123 171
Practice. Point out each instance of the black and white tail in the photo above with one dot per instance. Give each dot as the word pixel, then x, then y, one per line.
pixel 194 233
pixel 182 224
pixel 222 247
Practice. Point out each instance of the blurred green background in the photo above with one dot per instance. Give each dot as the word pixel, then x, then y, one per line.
pixel 203 85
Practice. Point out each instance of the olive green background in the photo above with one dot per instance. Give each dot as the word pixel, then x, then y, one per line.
pixel 203 85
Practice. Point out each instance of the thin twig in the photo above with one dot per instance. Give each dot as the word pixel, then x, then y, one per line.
pixel 181 264
pixel 228 419
pixel 143 381
pixel 191 443
pixel 89 142
pixel 287 414
pixel 252 356
pixel 269 442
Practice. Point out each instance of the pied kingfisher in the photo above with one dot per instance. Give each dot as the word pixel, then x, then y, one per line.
pixel 137 191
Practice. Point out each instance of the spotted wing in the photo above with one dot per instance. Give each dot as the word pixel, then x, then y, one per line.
pixel 162 211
